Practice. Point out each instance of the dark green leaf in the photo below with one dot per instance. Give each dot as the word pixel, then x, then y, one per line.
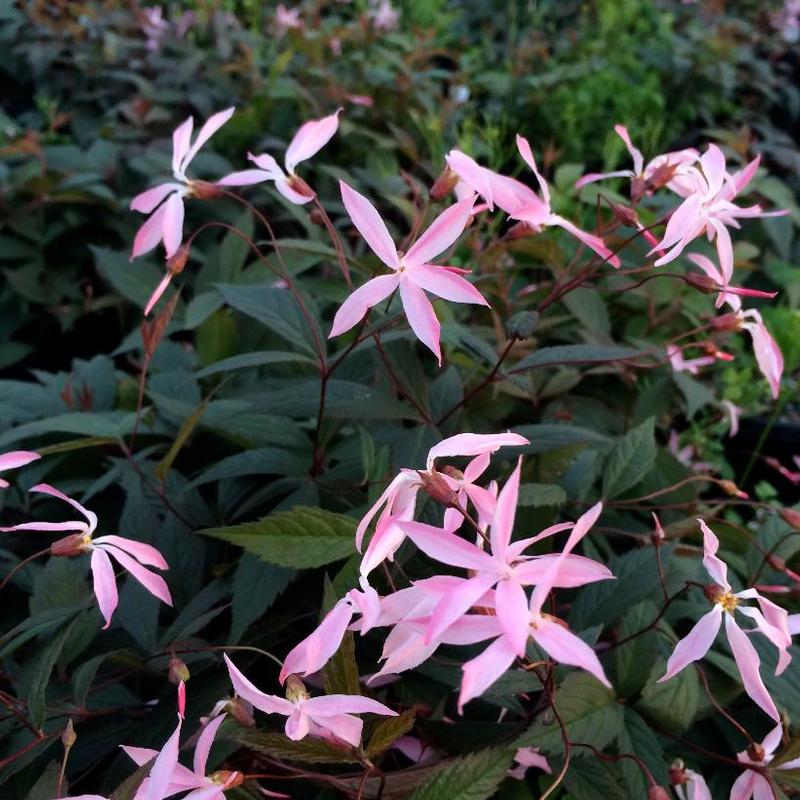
pixel 630 459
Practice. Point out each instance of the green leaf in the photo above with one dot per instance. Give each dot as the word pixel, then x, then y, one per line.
pixel 575 354
pixel 47 784
pixel 589 309
pixel 135 282
pixel 41 669
pixel 308 750
pixel 636 737
pixel 36 625
pixel 541 494
pixel 630 459
pixel 388 731
pixel 128 788
pixel 672 704
pixel 471 777
pixel 256 586
pixel 84 675
pixel 301 538
pixel 258 359
pixel 588 778
pixel 163 467
pixel 547 437
pixel 587 709
pixel 635 658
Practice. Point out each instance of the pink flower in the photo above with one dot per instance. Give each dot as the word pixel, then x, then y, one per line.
pixel 15 459
pixel 770 619
pixel 412 273
pixel 384 15
pixel 330 716
pixel 708 208
pixel 287 19
pixel 519 201
pixel 398 500
pixel 670 164
pixel 527 758
pixel 131 555
pixel 690 365
pixel 751 783
pixel 694 786
pixel 733 413
pixel 768 355
pixel 164 202
pixel 310 138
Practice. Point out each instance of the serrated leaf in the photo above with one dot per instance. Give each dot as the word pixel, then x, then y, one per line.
pixel 388 731
pixel 301 538
pixel 636 737
pixel 257 359
pixel 256 585
pixel 308 750
pixel 673 703
pixel 471 777
pixel 575 354
pixel 588 778
pixel 635 658
pixel 630 459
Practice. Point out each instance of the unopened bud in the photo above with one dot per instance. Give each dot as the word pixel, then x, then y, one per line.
pixel 638 188
pixel 677 773
pixel 626 215
pixel 300 186
pixel 657 793
pixel 435 485
pixel 731 489
pixel 727 322
pixel 776 562
pixel 519 230
pixel 68 736
pixel 702 283
pixel 316 217
pixel 178 671
pixel 661 176
pixel 295 689
pixel 658 536
pixel 226 778
pixel 241 711
pixel 69 546
pixel 203 190
pixel 444 184
pixel 755 752
pixel 177 261
pixel 791 517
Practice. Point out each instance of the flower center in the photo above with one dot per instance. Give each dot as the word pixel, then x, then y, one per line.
pixel 727 601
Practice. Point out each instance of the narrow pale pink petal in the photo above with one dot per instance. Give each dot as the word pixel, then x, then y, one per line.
pixel 268 163
pixel 708 266
pixel 684 219
pixel 441 234
pixel 150 233
pixel 724 250
pixel 473 444
pixel 315 650
pixel 527 156
pixel 154 584
pixel 715 567
pixel 46 488
pixel 512 195
pixel 204 742
pixel 370 225
pixel 593 177
pixel 474 175
pixel 139 755
pixel 245 177
pixel 768 356
pixel 74 525
pixel 636 154
pixel 421 316
pixel 343 726
pixel 105 585
pixel 297 724
pixel 504 514
pixel 695 644
pixel 285 187
pixel 268 703
pixel 157 293
pixel 699 787
pixel 333 704
pixel 211 126
pixel 589 239
pixel 386 499
pixel 573 571
pixel 748 662
pixel 181 140
pixel 483 670
pixel 742 177
pixel 310 139
pixel 477 467
pixel 447 547
pixel 173 224
pixel 455 604
pixel 352 311
pixel 206 793
pixel 445 284
pixel 164 767
pixel 713 164
pixel 148 200
pixel 513 613
pixel 145 553
pixel 17 458
pixel 775 635
pixel 566 648
pixel 744 786
pixel 526 758
pixel 516 549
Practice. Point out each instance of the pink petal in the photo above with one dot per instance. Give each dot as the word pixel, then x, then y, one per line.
pixel 566 648
pixel 139 755
pixel 473 444
pixel 483 670
pixel 685 223
pixel 148 200
pixel 512 195
pixel 157 293
pixel 204 742
pixel 516 549
pixel 164 767
pixel 352 311
pixel 333 704
pixel 447 547
pixel 181 140
pixel 105 585
pixel 207 793
pixel 370 225
pixel 445 284
pixel 442 233
pixel 700 790
pixel 211 126
pixel 715 567
pixel 709 267
pixel 150 233
pixel 245 177
pixel 421 316
pixel 636 154
pixel 573 571
pixel 741 178
pixel 527 156
pixel 342 726
pixel 173 224
pixel 310 139
pixel 768 356
pixel 268 703
pixel 695 644
pixel 589 239
pixel 17 458
pixel 455 604
pixel 474 175
pixel 513 613
pixel 748 662
pixel 297 724
pixel 47 526
pixel 744 787
pixel 268 163
pixel 592 177
pixel 145 553
pixel 284 186
pixel 46 488
pixel 713 164
pixel 527 757
pixel 504 513
pixel 154 584
pixel 724 250
pixel 779 638
pixel 315 650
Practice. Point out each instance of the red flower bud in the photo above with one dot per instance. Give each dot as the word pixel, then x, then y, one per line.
pixel 791 517
pixel 69 546
pixel 434 484
pixel 444 184
pixel 300 186
pixel 178 671
pixel 657 793
pixel 203 190
pixel 702 283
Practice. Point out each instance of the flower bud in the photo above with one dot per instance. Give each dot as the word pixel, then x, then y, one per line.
pixel 69 546
pixel 677 773
pixel 731 489
pixel 657 793
pixel 702 283
pixel 791 517
pixel 295 689
pixel 434 484
pixel 68 736
pixel 203 190
pixel 755 752
pixel 241 711
pixel 444 184
pixel 178 672
pixel 727 322
pixel 519 230
pixel 177 262
pixel 317 218
pixel 300 186
pixel 658 536
pixel 227 778
pixel 661 176
pixel 626 215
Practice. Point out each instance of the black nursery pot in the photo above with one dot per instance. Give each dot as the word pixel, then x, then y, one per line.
pixel 782 442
